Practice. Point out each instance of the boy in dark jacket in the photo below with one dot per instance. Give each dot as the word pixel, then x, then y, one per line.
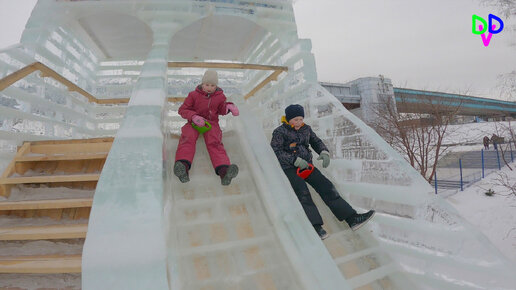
pixel 290 142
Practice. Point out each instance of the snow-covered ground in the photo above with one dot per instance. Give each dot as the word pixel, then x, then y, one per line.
pixel 494 215
pixel 474 132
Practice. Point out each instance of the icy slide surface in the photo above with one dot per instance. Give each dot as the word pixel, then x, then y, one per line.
pixel 255 235
pixel 240 236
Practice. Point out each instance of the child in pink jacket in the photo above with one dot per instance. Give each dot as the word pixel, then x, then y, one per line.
pixel 202 105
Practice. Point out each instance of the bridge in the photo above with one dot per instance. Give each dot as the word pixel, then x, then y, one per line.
pixel 357 95
pixel 468 105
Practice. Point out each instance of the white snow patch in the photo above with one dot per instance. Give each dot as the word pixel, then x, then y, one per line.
pixel 20 193
pixel 493 215
pixel 143 132
pixel 40 281
pixel 148 97
pixel 475 132
pixel 41 247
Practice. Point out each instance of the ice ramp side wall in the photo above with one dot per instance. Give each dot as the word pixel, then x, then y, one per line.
pixel 299 240
pixel 125 245
pixel 418 230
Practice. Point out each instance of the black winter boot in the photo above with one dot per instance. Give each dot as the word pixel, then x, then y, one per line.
pixel 181 170
pixel 358 220
pixel 226 173
pixel 321 232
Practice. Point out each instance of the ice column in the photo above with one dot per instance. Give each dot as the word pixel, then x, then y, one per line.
pixel 125 246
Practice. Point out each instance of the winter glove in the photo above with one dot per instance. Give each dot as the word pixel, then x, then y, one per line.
pixel 301 163
pixel 230 107
pixel 325 157
pixel 198 120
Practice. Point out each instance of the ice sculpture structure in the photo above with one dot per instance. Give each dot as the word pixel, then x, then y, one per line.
pixel 147 231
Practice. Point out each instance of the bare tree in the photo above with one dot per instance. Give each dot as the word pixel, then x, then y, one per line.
pixel 418 132
pixel 509 184
pixel 507 85
pixel 506 81
pixel 506 7
pixel 504 132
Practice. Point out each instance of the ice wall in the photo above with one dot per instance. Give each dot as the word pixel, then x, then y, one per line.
pixel 128 206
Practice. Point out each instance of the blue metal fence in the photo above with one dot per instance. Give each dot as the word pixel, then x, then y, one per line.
pixel 472 166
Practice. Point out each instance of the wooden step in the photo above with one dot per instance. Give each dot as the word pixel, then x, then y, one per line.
pixel 50 179
pixel 73 141
pixel 70 156
pixel 48 264
pixel 50 232
pixel 46 204
pixel 70 148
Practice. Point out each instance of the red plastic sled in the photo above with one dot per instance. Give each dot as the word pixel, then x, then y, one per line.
pixel 305 172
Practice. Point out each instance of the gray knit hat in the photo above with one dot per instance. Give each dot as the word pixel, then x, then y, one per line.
pixel 210 77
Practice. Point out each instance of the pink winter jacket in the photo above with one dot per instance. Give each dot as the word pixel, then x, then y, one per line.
pixel 203 104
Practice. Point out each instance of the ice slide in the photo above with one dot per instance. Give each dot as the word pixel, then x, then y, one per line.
pixel 242 236
pixel 254 233
pixel 145 233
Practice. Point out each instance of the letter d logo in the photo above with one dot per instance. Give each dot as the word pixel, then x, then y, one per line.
pixel 483 26
pixel 491 26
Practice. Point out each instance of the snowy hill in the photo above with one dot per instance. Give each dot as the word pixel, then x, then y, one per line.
pixel 493 215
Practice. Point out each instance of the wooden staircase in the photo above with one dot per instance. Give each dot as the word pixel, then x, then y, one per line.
pixel 46 194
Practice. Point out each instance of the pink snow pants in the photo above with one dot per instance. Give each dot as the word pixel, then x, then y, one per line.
pixel 212 138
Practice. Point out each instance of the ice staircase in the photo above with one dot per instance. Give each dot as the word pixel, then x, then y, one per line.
pixel 46 197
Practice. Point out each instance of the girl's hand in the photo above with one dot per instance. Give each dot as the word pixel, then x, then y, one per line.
pixel 230 107
pixel 198 120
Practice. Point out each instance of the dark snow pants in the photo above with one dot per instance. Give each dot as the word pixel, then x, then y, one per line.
pixel 340 208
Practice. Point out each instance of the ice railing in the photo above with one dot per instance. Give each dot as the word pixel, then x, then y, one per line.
pixel 37 108
pixel 115 79
pixel 421 231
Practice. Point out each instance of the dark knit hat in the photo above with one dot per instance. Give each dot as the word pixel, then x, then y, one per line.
pixel 293 111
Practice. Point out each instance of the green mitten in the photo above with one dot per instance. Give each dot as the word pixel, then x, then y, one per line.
pixel 301 163
pixel 325 157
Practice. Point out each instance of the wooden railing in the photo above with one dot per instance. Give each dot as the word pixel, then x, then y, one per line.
pixel 48 72
pixel 277 70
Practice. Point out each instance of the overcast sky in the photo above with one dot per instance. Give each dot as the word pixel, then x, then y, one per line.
pixel 13 17
pixel 418 44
